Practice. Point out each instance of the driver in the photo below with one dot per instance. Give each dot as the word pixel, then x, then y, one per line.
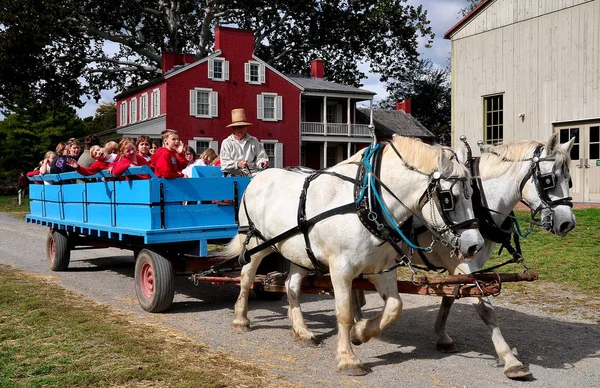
pixel 241 153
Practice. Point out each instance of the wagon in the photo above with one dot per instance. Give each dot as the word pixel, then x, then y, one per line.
pixel 169 223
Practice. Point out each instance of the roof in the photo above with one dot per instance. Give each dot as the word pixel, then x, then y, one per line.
pixel 139 88
pixel 320 85
pixel 390 122
pixel 468 17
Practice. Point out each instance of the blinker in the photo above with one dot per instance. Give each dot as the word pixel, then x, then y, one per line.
pixel 446 199
pixel 547 181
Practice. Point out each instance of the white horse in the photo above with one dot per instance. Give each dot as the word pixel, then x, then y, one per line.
pixel 509 174
pixel 411 172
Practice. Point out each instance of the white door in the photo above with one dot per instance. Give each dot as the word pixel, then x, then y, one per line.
pixel 585 160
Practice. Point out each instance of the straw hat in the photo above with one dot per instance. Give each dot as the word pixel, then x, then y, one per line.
pixel 238 118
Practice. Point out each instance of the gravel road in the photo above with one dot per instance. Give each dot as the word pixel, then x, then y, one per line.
pixel 560 351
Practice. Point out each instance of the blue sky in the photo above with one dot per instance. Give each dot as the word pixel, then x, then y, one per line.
pixel 442 14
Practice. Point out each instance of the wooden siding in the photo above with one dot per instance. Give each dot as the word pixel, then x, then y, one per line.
pixel 543 56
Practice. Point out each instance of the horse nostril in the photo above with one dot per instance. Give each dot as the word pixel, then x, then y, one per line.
pixel 472 250
pixel 565 227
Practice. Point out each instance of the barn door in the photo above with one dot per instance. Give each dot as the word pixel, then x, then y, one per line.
pixel 585 160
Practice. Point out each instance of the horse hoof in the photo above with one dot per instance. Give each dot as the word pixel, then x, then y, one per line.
pixel 241 327
pixel 356 370
pixel 518 373
pixel 307 342
pixel 447 348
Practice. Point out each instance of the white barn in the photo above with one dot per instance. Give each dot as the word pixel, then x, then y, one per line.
pixel 523 69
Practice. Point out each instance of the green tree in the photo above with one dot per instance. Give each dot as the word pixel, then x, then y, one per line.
pixel 104 118
pixel 429 89
pixel 25 137
pixel 68 38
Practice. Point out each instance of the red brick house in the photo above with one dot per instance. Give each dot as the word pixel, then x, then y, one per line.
pixel 300 120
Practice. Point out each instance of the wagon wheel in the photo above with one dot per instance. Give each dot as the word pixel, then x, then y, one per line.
pixel 58 252
pixel 273 262
pixel 154 281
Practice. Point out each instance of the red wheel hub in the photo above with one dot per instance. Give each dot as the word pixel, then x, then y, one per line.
pixel 147 280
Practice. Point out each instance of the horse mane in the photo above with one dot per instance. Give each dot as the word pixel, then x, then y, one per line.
pixel 420 156
pixel 499 160
pixel 426 158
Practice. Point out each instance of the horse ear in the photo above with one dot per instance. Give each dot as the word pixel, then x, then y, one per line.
pixel 552 143
pixel 461 153
pixel 568 145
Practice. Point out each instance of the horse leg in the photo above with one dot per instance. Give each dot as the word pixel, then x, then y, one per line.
pixel 366 329
pixel 248 274
pixel 444 343
pixel 358 301
pixel 513 368
pixel 293 285
pixel 348 363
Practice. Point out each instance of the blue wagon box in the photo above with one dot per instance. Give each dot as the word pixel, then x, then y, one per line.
pixel 160 210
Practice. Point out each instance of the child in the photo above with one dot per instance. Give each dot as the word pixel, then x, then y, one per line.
pixel 210 157
pixel 143 146
pixel 153 147
pixel 168 161
pixel 100 162
pixel 128 158
pixel 192 160
pixel 111 148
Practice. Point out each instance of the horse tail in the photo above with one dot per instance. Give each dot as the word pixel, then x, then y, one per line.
pixel 234 247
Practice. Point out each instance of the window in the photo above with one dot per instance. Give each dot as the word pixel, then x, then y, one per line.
pixel 254 73
pixel 274 151
pixel 334 112
pixel 201 144
pixel 567 134
pixel 155 103
pixel 133 110
pixel 218 69
pixel 493 119
pixel 144 106
pixel 123 113
pixel 269 107
pixel 204 103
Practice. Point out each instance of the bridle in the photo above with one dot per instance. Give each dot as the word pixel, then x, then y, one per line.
pixel 445 204
pixel 543 184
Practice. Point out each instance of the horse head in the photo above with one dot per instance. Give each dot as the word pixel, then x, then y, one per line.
pixel 449 207
pixel 546 189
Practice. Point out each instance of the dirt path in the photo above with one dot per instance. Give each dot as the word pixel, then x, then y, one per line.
pixel 562 349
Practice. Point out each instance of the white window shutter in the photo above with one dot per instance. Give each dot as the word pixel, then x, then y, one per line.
pixel 214 145
pixel 192 143
pixel 259 106
pixel 156 104
pixel 226 70
pixel 278 155
pixel 193 103
pixel 278 108
pixel 247 72
pixel 261 73
pixel 211 68
pixel 213 100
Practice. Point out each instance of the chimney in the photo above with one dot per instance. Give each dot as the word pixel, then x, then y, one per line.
pixel 404 106
pixel 317 68
pixel 239 43
pixel 170 60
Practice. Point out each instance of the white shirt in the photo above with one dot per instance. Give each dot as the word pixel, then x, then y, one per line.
pixel 234 151
pixel 187 172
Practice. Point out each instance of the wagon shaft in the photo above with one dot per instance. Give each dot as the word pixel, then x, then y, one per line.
pixel 453 285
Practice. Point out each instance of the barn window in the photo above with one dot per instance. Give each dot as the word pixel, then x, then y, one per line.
pixel 493 107
pixel 155 103
pixel 269 107
pixel 133 110
pixel 124 113
pixel 144 106
pixel 274 151
pixel 218 69
pixel 254 72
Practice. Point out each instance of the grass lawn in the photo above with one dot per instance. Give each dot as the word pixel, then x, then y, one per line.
pixel 59 339
pixel 573 260
pixel 8 204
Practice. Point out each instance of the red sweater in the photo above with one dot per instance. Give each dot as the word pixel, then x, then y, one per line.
pixel 95 167
pixel 168 164
pixel 122 164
